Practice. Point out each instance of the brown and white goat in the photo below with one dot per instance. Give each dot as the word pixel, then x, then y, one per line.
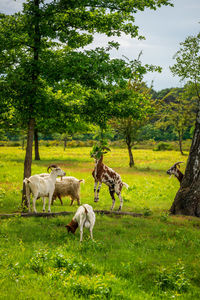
pixel 174 170
pixel 104 174
pixel 84 217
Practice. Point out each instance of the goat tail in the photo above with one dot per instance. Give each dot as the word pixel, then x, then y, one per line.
pixel 82 180
pixel 26 182
pixel 126 185
pixel 86 211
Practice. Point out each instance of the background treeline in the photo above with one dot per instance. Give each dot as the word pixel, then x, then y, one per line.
pixel 156 129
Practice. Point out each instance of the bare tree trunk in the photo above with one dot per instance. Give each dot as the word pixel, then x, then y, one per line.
pixel 65 144
pixel 180 142
pixel 131 160
pixel 34 75
pixel 28 157
pixel 23 142
pixel 187 200
pixel 37 154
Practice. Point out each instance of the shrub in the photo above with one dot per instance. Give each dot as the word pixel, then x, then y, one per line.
pixel 147 212
pixel 162 147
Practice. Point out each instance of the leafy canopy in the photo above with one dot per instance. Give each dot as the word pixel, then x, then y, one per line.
pixel 99 149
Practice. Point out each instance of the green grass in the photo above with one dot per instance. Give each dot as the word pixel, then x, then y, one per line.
pixel 152 257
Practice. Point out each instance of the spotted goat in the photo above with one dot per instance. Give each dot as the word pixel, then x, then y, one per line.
pixel 174 170
pixel 104 174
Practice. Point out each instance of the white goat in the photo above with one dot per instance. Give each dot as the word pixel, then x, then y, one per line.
pixel 67 186
pixel 84 217
pixel 42 187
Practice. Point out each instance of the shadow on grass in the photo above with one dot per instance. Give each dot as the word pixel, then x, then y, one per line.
pixel 50 161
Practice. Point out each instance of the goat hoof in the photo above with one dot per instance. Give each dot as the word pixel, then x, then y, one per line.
pixel 96 200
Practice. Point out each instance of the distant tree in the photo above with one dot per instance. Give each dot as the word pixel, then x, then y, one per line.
pixel 187 200
pixel 135 110
pixel 176 111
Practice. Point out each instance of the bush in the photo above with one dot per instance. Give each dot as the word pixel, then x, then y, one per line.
pixel 162 147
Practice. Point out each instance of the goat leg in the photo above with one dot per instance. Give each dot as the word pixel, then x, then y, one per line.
pixel 112 194
pixel 95 189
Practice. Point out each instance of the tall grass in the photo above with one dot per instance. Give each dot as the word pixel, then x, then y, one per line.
pixel 152 257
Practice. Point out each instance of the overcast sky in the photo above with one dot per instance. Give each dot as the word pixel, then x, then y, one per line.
pixel 164 30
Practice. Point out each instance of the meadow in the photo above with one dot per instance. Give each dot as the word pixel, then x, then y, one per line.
pixel 155 256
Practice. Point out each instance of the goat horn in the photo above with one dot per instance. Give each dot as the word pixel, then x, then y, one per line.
pixel 177 163
pixel 106 148
pixel 51 166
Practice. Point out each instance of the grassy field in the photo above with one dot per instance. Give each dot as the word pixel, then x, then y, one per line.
pixel 152 257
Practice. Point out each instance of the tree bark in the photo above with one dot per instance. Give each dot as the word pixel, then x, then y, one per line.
pixel 28 157
pixel 180 142
pixel 187 200
pixel 37 154
pixel 65 144
pixel 131 160
pixel 34 75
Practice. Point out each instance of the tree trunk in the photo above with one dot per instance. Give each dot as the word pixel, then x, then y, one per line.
pixel 28 157
pixel 187 200
pixel 37 155
pixel 180 142
pixel 35 73
pixel 131 160
pixel 65 144
pixel 23 143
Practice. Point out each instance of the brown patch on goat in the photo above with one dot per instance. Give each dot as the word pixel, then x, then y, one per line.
pixel 72 226
pixel 85 209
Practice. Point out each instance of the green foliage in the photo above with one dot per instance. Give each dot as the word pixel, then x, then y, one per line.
pixel 187 61
pixel 99 149
pixel 42 78
pixel 177 110
pixel 147 212
pixel 162 146
pixel 173 278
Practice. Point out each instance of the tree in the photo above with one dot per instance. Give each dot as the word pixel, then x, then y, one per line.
pixel 134 111
pixel 30 40
pixel 187 66
pixel 177 111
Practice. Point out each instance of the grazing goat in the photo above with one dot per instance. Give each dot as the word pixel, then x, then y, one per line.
pixel 42 187
pixel 104 174
pixel 67 186
pixel 84 217
pixel 174 170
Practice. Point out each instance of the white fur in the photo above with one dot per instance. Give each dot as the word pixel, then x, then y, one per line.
pixel 85 219
pixel 42 187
